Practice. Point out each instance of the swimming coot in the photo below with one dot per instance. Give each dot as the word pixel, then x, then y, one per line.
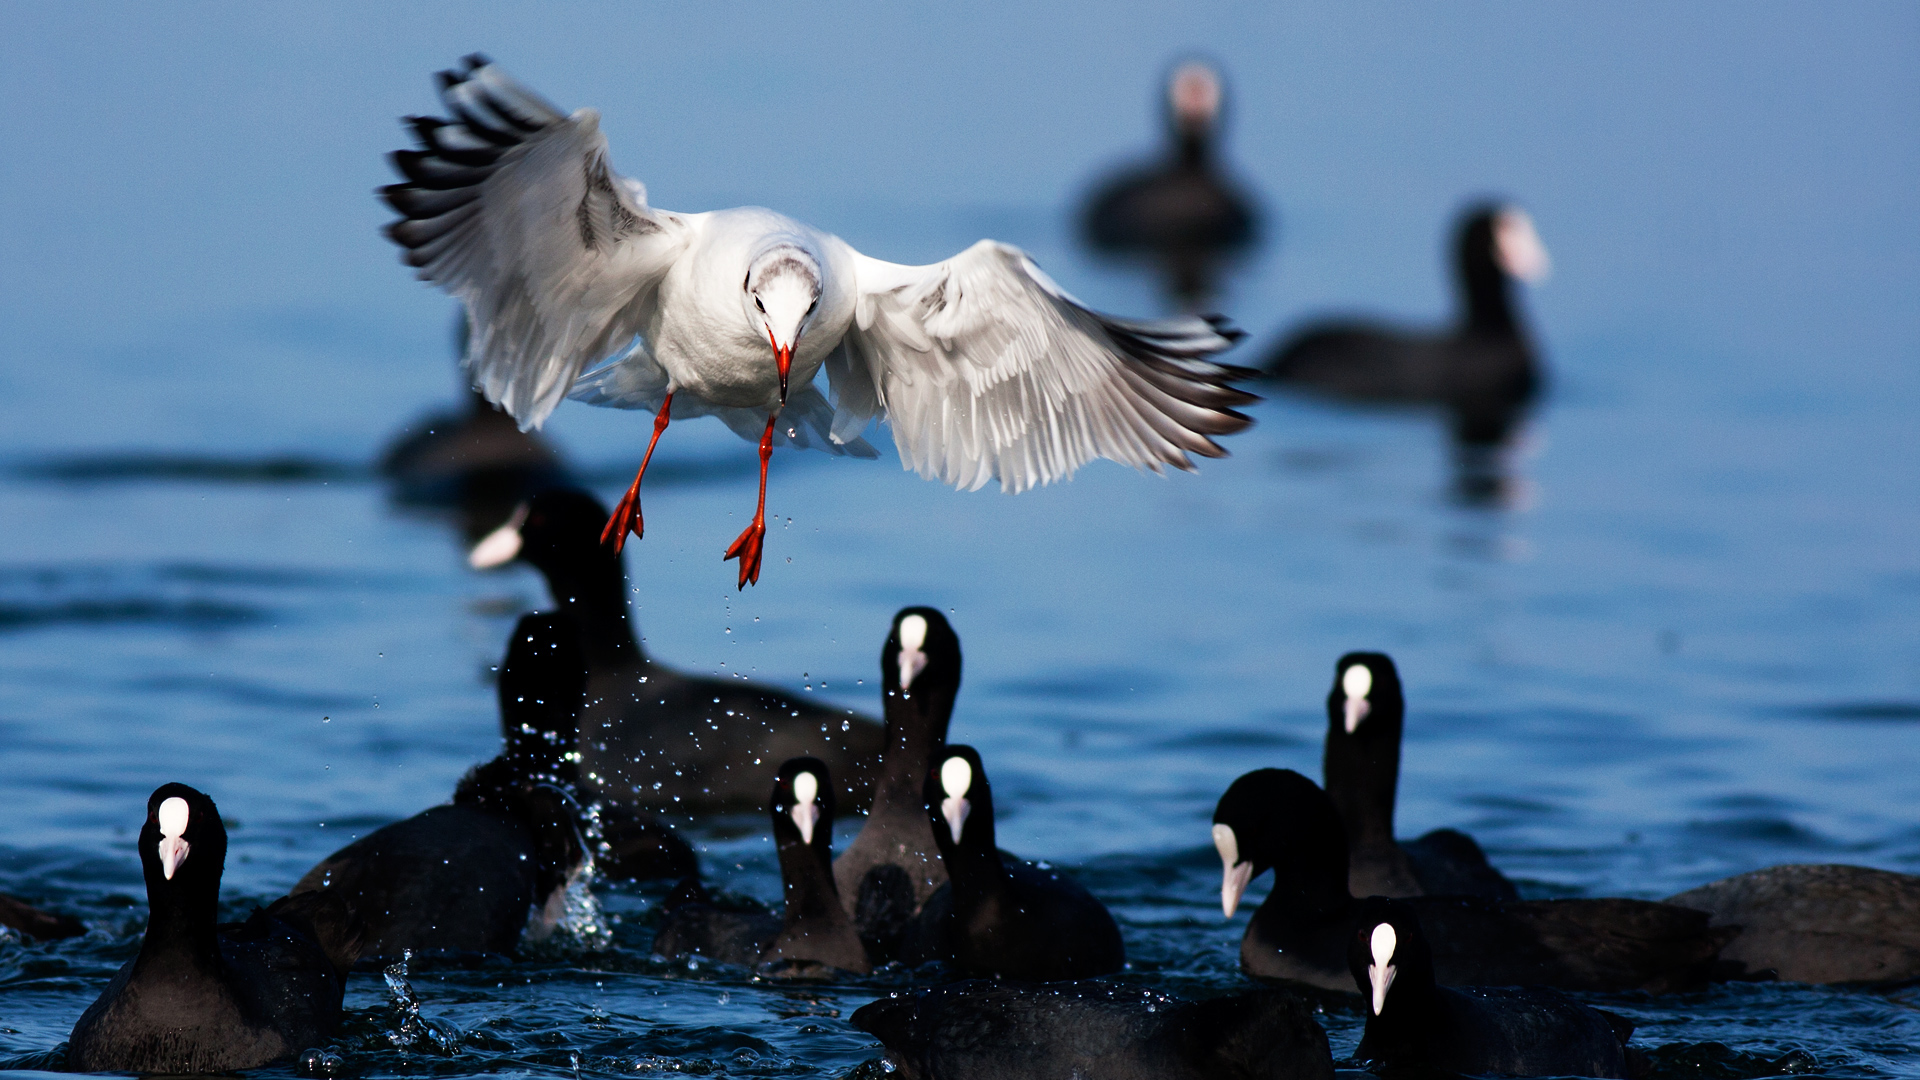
pixel 814 935
pixel 652 737
pixel 462 877
pixel 1818 923
pixel 1414 1023
pixel 1182 211
pixel 893 866
pixel 476 460
pixel 1013 920
pixel 38 924
pixel 1276 819
pixel 1484 370
pixel 1361 767
pixel 203 997
pixel 986 1029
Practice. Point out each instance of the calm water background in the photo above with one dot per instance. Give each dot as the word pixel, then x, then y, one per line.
pixel 1690 650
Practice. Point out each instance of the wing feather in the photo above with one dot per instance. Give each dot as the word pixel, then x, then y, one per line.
pixel 511 206
pixel 987 369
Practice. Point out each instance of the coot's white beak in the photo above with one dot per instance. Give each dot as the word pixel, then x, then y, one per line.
pixel 806 805
pixel 955 811
pixel 1357 683
pixel 173 852
pixel 1357 710
pixel 913 634
pixel 1518 246
pixel 1380 973
pixel 500 546
pixel 1234 873
pixel 173 816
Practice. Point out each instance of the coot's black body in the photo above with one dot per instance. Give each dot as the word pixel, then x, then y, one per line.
pixel 1013 920
pixel 1818 923
pixel 891 869
pixel 202 997
pixel 462 877
pixel 1182 211
pixel 1282 821
pixel 1361 769
pixel 652 737
pixel 992 1030
pixel 1414 1023
pixel 1484 371
pixel 815 935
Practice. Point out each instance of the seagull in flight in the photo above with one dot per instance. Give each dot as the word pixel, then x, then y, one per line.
pixel 575 287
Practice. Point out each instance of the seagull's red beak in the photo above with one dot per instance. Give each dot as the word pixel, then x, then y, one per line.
pixel 783 356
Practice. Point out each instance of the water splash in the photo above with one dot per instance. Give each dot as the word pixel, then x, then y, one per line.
pixel 411 1030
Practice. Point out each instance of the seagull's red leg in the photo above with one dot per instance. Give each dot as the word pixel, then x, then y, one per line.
pixel 626 516
pixel 748 546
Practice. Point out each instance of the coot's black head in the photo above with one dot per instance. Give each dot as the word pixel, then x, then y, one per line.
pixel 1277 819
pixel 555 531
pixel 183 850
pixel 921 659
pixel 1366 692
pixel 543 680
pixel 1389 956
pixel 960 802
pixel 1496 245
pixel 802 805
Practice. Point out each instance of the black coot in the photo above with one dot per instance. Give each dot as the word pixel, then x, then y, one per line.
pixel 202 997
pixel 889 871
pixel 462 877
pixel 1413 1023
pixel 1818 923
pixel 35 923
pixel 815 935
pixel 1276 819
pixel 1361 768
pixel 1182 211
pixel 650 736
pixel 475 460
pixel 1484 370
pixel 1014 920
pixel 990 1030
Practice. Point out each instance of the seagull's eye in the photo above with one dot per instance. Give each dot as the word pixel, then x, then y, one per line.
pixel 761 306
pixel 811 306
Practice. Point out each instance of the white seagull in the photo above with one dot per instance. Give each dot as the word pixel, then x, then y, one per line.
pixel 982 365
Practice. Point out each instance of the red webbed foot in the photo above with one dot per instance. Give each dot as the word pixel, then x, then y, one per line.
pixel 747 548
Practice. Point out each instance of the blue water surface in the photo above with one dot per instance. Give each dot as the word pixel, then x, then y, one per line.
pixel 1687 646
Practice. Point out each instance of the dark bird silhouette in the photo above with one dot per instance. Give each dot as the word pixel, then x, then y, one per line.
pixel 204 997
pixel 986 1029
pixel 1361 768
pixel 1276 819
pixel 1412 1022
pixel 464 877
pixel 1818 923
pixel 1485 370
pixel 891 869
pixel 1013 920
pixel 1181 212
pixel 652 737
pixel 815 935
pixel 475 461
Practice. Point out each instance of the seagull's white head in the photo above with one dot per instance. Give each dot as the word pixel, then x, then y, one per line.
pixel 782 290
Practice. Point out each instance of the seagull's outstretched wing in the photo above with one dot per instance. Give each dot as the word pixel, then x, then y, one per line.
pixel 985 368
pixel 512 207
